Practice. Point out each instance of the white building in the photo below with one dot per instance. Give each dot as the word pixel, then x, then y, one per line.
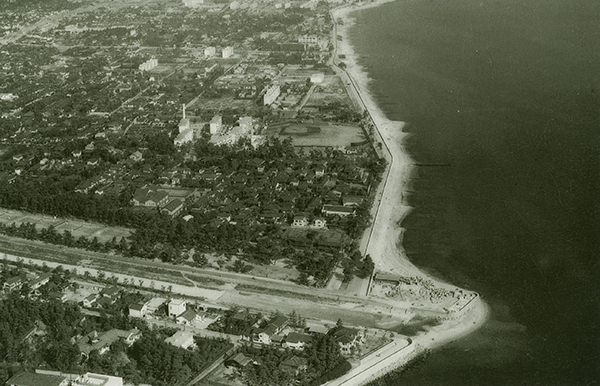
pixel 227 52
pixel 177 307
pixel 148 64
pixel 246 123
pixel 271 94
pixel 210 51
pixel 184 124
pixel 317 78
pixel 193 3
pixel 183 339
pixel 184 137
pixel 216 124
pixel 186 133
pixel 138 310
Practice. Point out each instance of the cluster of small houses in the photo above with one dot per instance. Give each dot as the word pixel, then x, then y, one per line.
pixel 338 200
pixel 277 332
pixel 34 282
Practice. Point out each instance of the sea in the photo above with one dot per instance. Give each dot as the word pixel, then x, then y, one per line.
pixel 502 103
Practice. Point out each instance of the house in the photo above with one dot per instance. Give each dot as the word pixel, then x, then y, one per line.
pixel 90 300
pixel 318 330
pixel 173 208
pixel 300 221
pixel 297 340
pixel 102 341
pixel 110 292
pixel 108 295
pixel 183 339
pixel 277 339
pixel 239 360
pixel 294 365
pixel 352 200
pixel 264 336
pixel 337 210
pixel 136 156
pixel 138 310
pixel 280 322
pixel 150 197
pixel 177 307
pixel 319 223
pixel 34 379
pixel 41 280
pixel 105 302
pixel 154 304
pixel 13 283
pixel 387 278
pixel 347 338
pixel 89 379
pixel 189 317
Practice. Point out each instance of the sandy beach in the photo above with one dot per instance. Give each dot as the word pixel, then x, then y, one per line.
pixel 384 242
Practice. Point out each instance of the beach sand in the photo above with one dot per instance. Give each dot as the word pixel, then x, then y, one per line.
pixel 385 241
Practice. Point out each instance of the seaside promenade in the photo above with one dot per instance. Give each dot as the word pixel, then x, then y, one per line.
pixel 383 241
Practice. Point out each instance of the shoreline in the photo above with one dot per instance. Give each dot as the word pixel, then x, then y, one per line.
pixel 384 241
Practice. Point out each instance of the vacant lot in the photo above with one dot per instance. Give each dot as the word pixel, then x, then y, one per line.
pixel 319 135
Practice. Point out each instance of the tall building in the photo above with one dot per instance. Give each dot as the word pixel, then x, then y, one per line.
pixel 215 124
pixel 271 94
pixel 186 132
pixel 184 124
pixel 227 52
pixel 210 51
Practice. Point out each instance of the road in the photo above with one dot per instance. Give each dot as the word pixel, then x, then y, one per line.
pixel 262 294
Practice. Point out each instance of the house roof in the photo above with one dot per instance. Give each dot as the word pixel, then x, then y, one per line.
pixel 109 291
pixel 270 330
pixel 173 205
pixel 34 379
pixel 158 196
pixel 91 297
pixel 293 362
pixel 14 280
pixel 279 321
pixel 176 302
pixel 344 334
pixel 137 306
pixel 241 359
pixel 337 209
pixel 188 315
pixel 295 337
pixel 180 339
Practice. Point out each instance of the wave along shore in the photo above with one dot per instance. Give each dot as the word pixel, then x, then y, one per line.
pixel 385 242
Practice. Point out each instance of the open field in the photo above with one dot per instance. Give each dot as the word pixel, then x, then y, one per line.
pixel 319 135
pixel 78 228
pixel 330 90
pixel 222 103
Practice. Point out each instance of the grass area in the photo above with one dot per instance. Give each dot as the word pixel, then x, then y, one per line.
pixel 205 282
pixel 282 293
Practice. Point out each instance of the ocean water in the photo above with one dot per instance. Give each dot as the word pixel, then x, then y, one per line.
pixel 502 98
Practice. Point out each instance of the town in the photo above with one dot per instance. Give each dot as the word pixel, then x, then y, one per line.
pixel 187 192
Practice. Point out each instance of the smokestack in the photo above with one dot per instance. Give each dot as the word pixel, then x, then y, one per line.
pixel 184 111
